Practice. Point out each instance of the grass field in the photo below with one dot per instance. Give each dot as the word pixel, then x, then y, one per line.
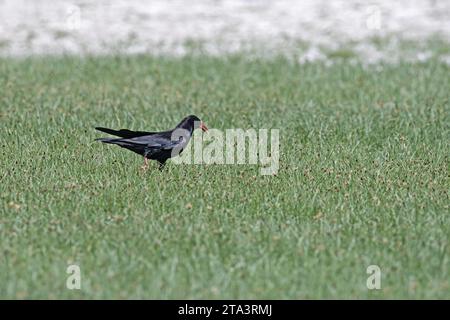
pixel 363 180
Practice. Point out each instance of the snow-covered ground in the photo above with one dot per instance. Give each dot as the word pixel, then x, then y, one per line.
pixel 309 29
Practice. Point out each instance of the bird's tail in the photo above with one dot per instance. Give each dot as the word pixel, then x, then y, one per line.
pixel 125 133
pixel 120 142
pixel 106 130
pixel 107 140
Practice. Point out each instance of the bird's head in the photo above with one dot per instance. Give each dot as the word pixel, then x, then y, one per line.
pixel 191 123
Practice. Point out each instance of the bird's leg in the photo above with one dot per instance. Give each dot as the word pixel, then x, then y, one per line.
pixel 145 166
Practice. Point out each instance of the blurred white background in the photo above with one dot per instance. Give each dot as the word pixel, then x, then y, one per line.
pixel 372 29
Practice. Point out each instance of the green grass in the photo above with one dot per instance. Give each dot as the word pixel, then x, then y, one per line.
pixel 364 179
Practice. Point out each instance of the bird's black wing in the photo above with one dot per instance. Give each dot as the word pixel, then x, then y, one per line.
pixel 161 141
pixel 125 133
pixel 156 141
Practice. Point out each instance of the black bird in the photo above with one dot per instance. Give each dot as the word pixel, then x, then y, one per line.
pixel 158 146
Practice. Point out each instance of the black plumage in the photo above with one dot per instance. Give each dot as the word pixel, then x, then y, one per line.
pixel 158 146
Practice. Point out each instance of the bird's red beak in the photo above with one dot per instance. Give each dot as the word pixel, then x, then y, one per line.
pixel 203 126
